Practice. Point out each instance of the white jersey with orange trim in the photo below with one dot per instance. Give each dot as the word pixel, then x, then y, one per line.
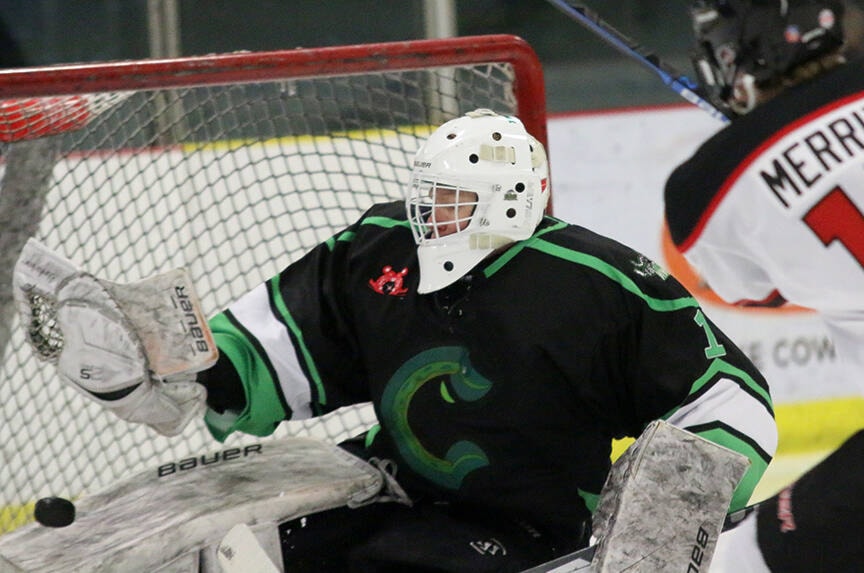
pixel 772 207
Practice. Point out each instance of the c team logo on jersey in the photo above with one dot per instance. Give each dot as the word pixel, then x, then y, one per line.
pixel 390 282
pixel 435 365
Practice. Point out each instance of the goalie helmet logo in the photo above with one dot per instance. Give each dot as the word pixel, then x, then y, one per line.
pixel 390 282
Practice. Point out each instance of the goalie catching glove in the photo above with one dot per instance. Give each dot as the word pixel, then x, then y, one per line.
pixel 134 349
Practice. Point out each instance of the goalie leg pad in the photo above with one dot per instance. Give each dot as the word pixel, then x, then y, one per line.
pixel 152 520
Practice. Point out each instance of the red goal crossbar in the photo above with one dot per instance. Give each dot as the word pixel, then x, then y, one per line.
pixel 308 62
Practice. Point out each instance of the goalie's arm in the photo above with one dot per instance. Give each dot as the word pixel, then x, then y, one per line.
pixel 286 347
pixel 680 367
pixel 281 358
pixel 722 396
pixel 246 389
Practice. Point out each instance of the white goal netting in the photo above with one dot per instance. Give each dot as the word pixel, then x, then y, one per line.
pixel 232 166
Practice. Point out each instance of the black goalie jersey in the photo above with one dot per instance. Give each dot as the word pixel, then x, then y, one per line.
pixel 505 389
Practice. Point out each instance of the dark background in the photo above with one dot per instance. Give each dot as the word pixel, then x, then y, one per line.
pixel 582 73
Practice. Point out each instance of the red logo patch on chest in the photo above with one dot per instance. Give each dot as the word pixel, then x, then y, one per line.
pixel 390 282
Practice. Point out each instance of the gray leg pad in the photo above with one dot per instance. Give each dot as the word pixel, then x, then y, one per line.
pixel 169 519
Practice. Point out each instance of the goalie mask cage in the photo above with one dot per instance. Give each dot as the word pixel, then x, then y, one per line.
pixel 231 165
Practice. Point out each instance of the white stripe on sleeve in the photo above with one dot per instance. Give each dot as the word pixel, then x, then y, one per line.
pixel 252 310
pixel 727 403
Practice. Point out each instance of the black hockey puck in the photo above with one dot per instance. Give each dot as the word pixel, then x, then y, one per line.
pixel 54 512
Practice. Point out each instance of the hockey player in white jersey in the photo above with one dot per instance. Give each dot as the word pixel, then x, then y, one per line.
pixel 771 209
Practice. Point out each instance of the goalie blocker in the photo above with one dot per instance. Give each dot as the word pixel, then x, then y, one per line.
pixel 134 349
pixel 662 508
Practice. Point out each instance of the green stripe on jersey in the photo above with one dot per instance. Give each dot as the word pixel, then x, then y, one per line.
pixel 263 410
pixel 718 366
pixel 601 266
pixel 386 222
pixel 348 236
pixel 536 242
pixel 517 248
pixel 279 302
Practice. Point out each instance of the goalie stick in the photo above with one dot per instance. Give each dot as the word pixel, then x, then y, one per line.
pixel 240 552
pixel 678 82
pixel 581 560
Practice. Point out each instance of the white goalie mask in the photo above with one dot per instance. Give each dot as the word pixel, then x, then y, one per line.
pixel 479 183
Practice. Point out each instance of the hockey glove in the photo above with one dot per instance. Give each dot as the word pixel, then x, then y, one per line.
pixel 134 349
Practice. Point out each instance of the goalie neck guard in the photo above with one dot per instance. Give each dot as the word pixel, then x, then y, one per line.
pixel 479 183
pixel 757 43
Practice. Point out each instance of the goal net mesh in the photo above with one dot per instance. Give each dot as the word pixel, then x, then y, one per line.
pixel 232 179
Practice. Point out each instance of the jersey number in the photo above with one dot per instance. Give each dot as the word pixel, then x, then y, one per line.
pixel 714 348
pixel 836 218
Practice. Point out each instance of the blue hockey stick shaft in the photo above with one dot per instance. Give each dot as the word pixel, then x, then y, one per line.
pixel 679 83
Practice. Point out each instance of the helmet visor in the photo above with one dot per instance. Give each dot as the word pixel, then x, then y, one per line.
pixel 437 209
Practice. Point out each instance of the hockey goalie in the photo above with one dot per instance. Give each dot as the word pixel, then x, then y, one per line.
pixel 503 350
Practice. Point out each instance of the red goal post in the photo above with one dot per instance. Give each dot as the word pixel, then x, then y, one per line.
pixel 231 165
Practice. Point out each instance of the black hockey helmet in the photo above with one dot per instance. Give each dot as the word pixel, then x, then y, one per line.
pixel 764 39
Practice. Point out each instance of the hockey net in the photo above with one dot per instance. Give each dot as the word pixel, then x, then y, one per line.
pixel 230 165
